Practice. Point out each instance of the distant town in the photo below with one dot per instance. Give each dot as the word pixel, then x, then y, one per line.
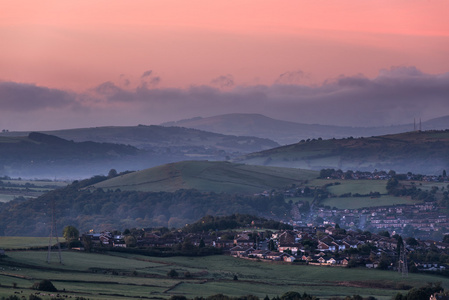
pixel 323 246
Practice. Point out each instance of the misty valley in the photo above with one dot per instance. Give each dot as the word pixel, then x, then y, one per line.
pixel 165 209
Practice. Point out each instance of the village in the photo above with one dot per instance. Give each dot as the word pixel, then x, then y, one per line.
pixel 425 219
pixel 420 220
pixel 323 246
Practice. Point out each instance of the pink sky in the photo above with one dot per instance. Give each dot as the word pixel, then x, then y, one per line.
pixel 80 44
pixel 84 60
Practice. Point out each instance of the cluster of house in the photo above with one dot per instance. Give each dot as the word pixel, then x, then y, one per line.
pixel 425 217
pixel 312 245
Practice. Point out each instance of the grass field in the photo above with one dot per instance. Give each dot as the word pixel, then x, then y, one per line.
pixel 13 188
pixel 360 202
pixel 126 276
pixel 16 242
pixel 209 176
pixel 6 197
pixel 356 186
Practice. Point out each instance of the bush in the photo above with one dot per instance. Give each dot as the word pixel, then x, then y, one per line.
pixel 44 285
pixel 172 273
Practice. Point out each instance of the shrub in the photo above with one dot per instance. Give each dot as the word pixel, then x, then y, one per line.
pixel 44 285
pixel 172 273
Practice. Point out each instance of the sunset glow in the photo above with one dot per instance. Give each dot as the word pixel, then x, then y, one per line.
pixel 78 45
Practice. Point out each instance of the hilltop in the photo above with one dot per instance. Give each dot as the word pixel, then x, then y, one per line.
pixel 153 136
pixel 206 176
pixel 418 152
pixel 85 152
pixel 171 195
pixel 47 156
pixel 285 132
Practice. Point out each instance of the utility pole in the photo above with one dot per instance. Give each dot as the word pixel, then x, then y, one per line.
pixel 403 267
pixel 53 234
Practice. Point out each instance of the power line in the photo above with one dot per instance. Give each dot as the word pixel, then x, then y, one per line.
pixel 53 235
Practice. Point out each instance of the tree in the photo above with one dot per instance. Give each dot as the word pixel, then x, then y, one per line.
pixel 44 285
pixel 412 241
pixel 271 245
pixel 70 233
pixel 172 273
pixel 291 296
pixel 392 184
pixel 446 238
pixel 130 241
pixel 384 262
pixel 112 173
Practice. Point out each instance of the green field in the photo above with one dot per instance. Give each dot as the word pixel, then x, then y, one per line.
pixel 6 197
pixel 355 186
pixel 209 176
pixel 360 202
pixel 17 242
pixel 126 276
pixel 404 152
pixel 13 188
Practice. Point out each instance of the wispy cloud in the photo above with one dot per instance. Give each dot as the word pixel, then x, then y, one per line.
pixel 296 77
pixel 223 81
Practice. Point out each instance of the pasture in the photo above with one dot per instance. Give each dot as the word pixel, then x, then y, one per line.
pixel 17 242
pixel 127 276
pixel 13 188
pixel 361 202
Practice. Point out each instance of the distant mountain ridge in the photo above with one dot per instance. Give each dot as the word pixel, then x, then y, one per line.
pixel 85 152
pixel 286 132
pixel 424 152
pixel 146 137
pixel 46 156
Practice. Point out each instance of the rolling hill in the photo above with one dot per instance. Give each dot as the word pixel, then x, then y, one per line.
pixel 79 153
pixel 418 152
pixel 46 156
pixel 170 195
pixel 151 137
pixel 206 176
pixel 285 132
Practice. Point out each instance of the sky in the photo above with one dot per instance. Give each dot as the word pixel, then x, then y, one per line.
pixel 67 64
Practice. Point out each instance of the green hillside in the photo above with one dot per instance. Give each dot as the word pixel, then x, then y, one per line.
pixel 148 137
pixel 285 132
pixel 130 276
pixel 417 152
pixel 171 195
pixel 208 176
pixel 46 156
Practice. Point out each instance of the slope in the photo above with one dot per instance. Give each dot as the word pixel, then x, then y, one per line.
pixel 48 156
pixel 417 152
pixel 208 176
pixel 171 195
pixel 285 132
pixel 150 137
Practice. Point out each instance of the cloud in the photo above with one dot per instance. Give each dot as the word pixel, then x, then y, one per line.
pixel 107 88
pixel 223 81
pixel 295 77
pixel 146 74
pixel 124 80
pixel 396 96
pixel 148 79
pixel 24 97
